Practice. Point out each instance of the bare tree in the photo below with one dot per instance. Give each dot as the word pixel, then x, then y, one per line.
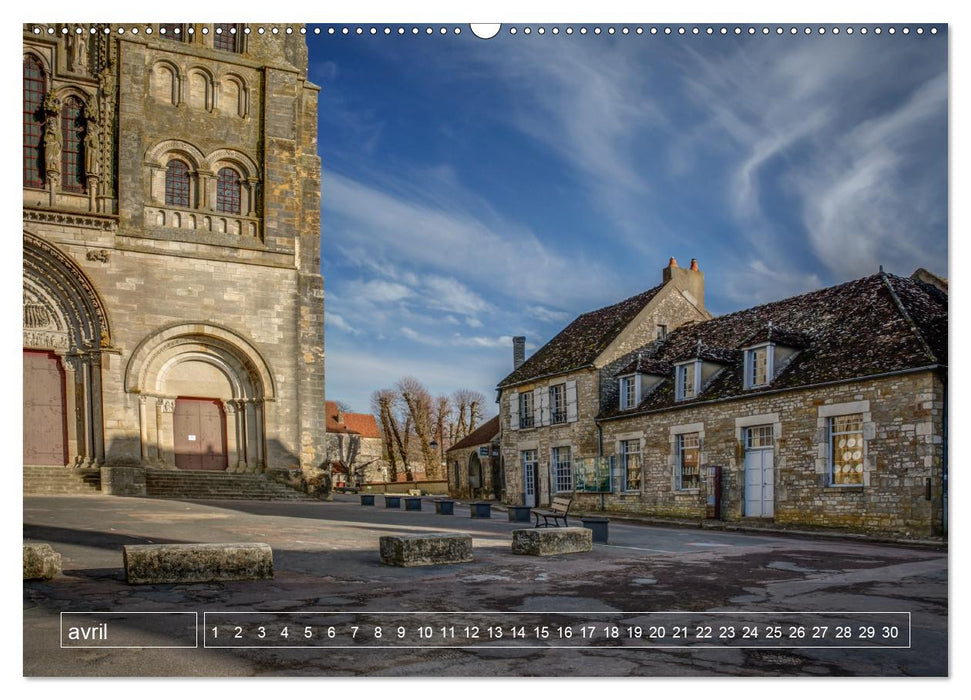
pixel 468 405
pixel 382 403
pixel 419 403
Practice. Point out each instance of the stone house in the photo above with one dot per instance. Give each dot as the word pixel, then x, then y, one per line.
pixel 355 448
pixel 823 410
pixel 172 295
pixel 549 404
pixel 474 467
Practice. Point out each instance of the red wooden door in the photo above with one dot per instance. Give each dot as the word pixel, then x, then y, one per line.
pixel 45 414
pixel 200 434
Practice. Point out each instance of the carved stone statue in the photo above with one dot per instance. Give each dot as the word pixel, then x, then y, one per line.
pixel 52 145
pixel 78 44
pixel 92 146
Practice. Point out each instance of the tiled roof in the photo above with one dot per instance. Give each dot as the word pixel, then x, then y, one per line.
pixel 362 424
pixel 645 364
pixel 580 343
pixel 873 325
pixel 485 433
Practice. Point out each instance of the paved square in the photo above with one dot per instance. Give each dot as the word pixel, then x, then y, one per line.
pixel 327 566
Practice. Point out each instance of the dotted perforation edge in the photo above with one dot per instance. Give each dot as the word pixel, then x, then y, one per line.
pixel 526 30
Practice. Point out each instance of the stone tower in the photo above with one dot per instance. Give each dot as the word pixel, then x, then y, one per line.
pixel 173 301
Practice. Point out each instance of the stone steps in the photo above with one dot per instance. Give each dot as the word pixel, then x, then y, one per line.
pixel 217 485
pixel 61 480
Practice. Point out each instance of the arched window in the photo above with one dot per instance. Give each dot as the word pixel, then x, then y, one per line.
pixel 225 38
pixel 227 191
pixel 177 184
pixel 35 86
pixel 72 156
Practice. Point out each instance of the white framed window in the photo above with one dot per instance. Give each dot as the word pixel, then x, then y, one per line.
pixel 686 380
pixel 562 469
pixel 558 403
pixel 526 414
pixel 630 464
pixel 529 470
pixel 688 463
pixel 758 366
pixel 630 394
pixel 846 450
pixel 662 331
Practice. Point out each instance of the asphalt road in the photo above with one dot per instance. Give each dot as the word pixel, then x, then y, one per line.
pixel 653 602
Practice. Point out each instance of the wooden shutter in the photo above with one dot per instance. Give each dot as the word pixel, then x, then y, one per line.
pixel 571 401
pixel 537 406
pixel 514 410
pixel 544 407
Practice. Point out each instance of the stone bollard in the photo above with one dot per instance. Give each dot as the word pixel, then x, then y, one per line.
pixel 546 541
pixel 40 561
pixel 426 550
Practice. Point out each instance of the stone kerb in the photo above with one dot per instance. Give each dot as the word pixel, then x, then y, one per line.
pixel 40 561
pixel 426 550
pixel 196 563
pixel 548 541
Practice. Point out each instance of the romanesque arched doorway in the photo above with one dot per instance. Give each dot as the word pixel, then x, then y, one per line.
pixel 203 393
pixel 65 332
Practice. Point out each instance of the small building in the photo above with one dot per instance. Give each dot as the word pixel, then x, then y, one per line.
pixel 355 447
pixel 474 464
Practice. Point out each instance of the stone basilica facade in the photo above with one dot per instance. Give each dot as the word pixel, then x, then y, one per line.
pixel 172 295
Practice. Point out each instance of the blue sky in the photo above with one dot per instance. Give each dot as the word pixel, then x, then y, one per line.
pixel 475 190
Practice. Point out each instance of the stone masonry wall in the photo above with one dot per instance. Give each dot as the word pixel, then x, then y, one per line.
pixel 903 420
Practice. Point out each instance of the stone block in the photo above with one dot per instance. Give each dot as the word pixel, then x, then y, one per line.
pixel 123 480
pixel 547 541
pixel 196 563
pixel 426 550
pixel 40 561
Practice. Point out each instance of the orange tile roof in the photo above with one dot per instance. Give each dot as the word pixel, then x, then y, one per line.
pixel 362 424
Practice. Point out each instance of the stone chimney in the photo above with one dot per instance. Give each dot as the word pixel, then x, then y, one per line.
pixel 518 351
pixel 690 281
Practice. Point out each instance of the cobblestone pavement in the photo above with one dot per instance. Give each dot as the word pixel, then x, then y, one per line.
pixel 326 560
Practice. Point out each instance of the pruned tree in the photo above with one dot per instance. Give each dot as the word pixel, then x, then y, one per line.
pixel 418 401
pixel 382 403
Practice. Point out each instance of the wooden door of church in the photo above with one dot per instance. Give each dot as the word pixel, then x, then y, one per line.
pixel 200 434
pixel 45 414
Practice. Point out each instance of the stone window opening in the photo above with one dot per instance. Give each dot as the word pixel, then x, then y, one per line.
pixel 562 469
pixel 173 32
pixel 630 462
pixel 226 37
pixel 688 461
pixel 228 191
pixel 177 185
pixel 846 450
pixel 526 414
pixel 558 403
pixel 35 88
pixel 72 151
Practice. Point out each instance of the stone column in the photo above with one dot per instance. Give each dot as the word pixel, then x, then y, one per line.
pixel 251 190
pixel 258 435
pixel 207 190
pixel 252 433
pixel 72 410
pixel 97 413
pixel 232 435
pixel 166 430
pixel 143 426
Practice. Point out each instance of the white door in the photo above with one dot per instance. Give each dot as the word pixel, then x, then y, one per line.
pixel 529 478
pixel 759 472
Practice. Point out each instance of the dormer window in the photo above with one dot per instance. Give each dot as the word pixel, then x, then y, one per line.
pixel 686 380
pixel 758 366
pixel 630 391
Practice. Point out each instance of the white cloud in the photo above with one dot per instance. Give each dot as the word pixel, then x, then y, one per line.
pixel 336 321
pixel 493 254
pixel 541 313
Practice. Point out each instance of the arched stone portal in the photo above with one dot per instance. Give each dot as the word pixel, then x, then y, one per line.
pixel 189 366
pixel 475 475
pixel 64 321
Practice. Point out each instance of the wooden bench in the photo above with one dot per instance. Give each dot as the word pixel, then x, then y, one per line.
pixel 557 512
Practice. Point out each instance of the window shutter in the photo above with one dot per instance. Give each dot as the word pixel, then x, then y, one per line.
pixel 544 407
pixel 537 406
pixel 637 390
pixel 571 401
pixel 514 410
